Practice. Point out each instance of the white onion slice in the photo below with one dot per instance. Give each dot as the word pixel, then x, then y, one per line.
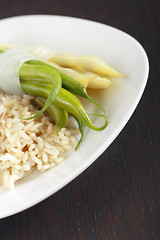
pixel 10 62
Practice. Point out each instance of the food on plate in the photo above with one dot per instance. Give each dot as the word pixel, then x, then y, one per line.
pixel 85 69
pixel 29 144
pixel 88 63
pixel 35 81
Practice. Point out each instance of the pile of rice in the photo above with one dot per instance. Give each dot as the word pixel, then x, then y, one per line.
pixel 28 144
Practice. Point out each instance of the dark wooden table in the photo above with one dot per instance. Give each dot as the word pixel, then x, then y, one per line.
pixel 118 197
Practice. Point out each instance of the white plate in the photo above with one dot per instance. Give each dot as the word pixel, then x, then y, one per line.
pixel 80 37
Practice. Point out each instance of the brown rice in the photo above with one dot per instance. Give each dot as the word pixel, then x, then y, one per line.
pixel 26 144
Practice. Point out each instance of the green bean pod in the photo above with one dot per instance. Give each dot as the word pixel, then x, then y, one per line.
pixel 82 127
pixel 64 100
pixel 42 74
pixel 69 83
pixel 59 115
pixel 37 73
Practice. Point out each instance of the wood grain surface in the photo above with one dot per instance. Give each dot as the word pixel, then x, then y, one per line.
pixel 118 197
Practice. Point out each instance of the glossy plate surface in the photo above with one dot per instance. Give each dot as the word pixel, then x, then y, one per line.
pixel 81 37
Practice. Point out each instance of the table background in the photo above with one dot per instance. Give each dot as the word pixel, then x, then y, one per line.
pixel 118 197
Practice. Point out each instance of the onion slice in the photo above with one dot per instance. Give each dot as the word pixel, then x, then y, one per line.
pixel 10 62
